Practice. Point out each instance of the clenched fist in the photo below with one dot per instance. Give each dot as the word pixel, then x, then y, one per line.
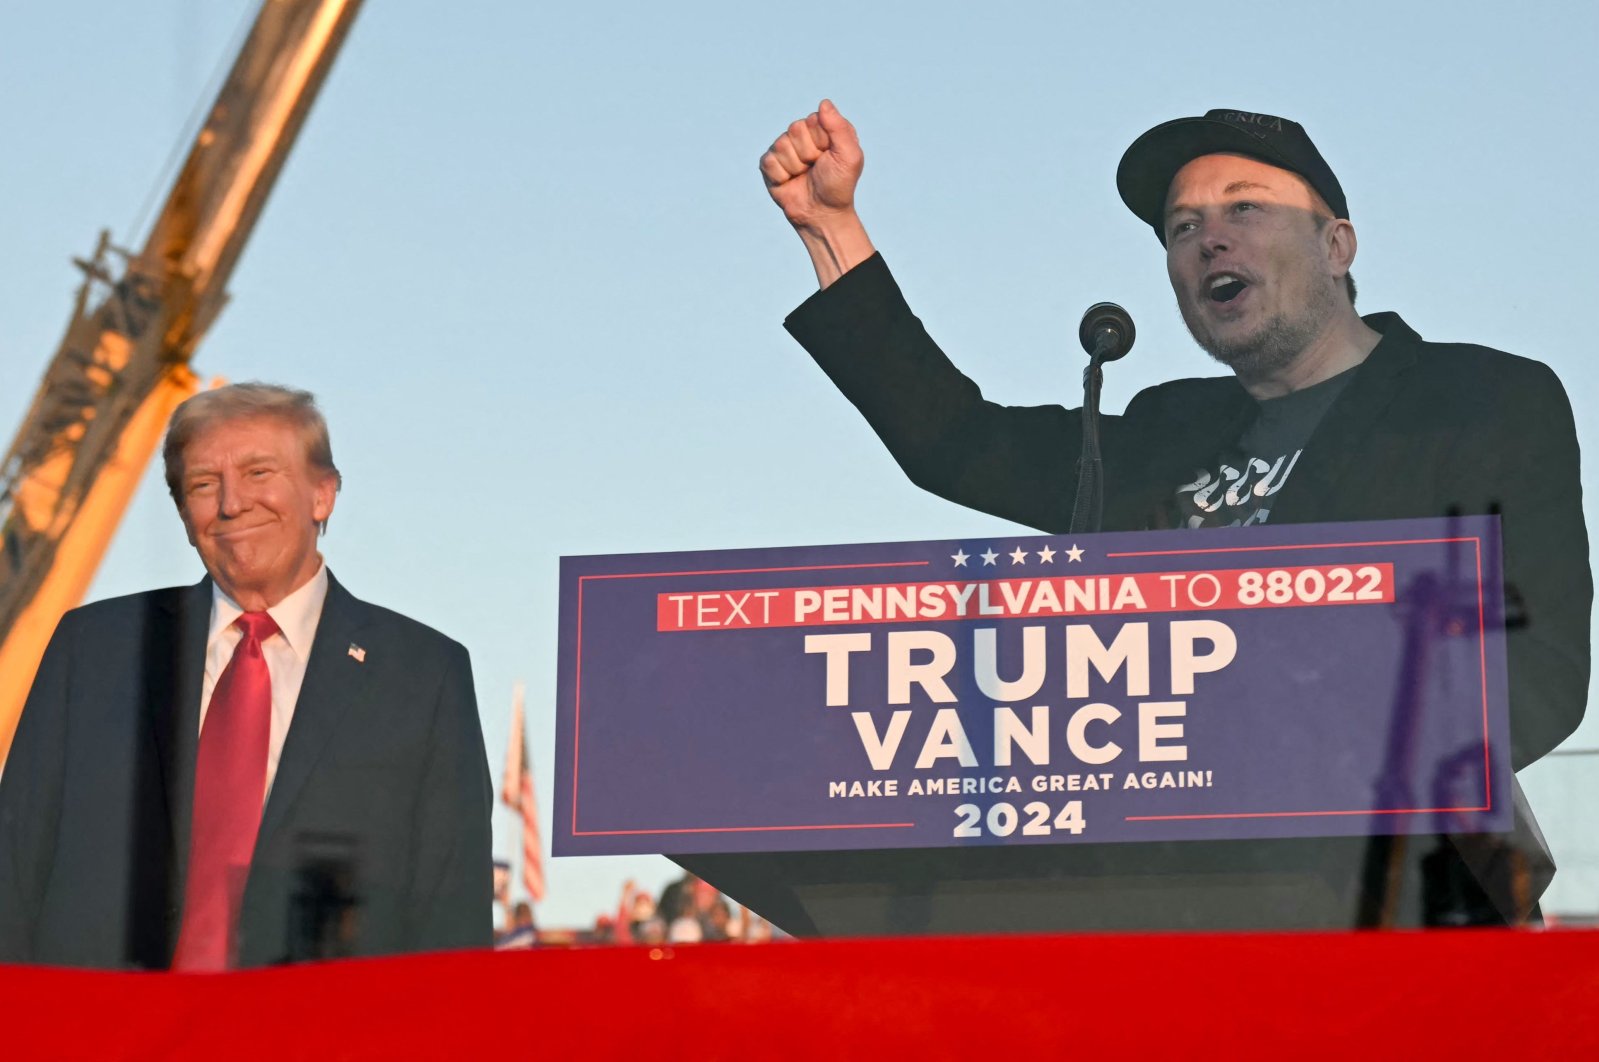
pixel 811 170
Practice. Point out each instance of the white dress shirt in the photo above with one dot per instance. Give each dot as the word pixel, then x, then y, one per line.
pixel 286 654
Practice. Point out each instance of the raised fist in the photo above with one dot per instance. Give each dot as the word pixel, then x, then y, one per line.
pixel 812 169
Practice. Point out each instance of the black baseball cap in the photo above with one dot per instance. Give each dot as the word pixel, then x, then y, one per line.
pixel 1147 168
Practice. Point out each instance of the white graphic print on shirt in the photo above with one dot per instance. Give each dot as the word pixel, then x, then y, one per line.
pixel 1232 496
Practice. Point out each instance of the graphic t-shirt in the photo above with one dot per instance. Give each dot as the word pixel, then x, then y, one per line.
pixel 1238 488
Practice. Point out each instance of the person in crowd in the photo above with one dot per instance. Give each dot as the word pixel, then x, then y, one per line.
pixel 521 933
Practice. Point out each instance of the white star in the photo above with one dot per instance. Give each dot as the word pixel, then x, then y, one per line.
pixel 1074 554
pixel 959 557
pixel 1018 556
pixel 990 556
pixel 1047 555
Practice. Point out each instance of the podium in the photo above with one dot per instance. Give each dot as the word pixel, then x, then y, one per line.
pixel 1272 728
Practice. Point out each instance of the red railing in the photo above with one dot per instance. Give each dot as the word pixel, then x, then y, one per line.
pixel 1457 994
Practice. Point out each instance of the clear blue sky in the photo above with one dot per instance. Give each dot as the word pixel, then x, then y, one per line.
pixel 523 255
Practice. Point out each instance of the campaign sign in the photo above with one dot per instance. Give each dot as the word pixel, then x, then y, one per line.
pixel 1302 680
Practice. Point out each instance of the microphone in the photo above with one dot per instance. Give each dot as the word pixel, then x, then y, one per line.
pixel 1106 332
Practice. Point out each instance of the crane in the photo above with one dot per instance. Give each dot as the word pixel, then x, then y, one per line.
pixel 139 316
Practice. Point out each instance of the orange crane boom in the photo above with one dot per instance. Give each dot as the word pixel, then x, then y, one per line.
pixel 124 363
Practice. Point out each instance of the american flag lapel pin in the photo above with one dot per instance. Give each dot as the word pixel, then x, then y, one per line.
pixel 357 652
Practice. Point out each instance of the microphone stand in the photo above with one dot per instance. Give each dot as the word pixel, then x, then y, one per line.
pixel 1088 508
pixel 1106 333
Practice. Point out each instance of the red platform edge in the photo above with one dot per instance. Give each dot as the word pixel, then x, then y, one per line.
pixel 1474 994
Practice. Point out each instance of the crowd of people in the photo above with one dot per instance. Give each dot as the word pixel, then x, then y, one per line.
pixel 688 910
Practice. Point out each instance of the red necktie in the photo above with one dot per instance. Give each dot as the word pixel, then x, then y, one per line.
pixel 229 784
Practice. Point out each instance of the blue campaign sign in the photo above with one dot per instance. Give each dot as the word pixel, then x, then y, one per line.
pixel 1302 680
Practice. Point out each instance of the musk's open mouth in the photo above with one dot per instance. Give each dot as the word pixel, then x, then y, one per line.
pixel 1226 288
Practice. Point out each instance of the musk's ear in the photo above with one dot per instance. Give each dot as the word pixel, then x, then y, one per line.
pixel 1339 237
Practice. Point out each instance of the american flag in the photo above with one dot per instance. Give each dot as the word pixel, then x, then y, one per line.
pixel 517 794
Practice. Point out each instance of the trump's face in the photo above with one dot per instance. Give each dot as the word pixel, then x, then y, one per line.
pixel 252 505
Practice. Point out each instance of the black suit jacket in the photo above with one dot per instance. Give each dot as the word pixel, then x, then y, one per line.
pixel 382 795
